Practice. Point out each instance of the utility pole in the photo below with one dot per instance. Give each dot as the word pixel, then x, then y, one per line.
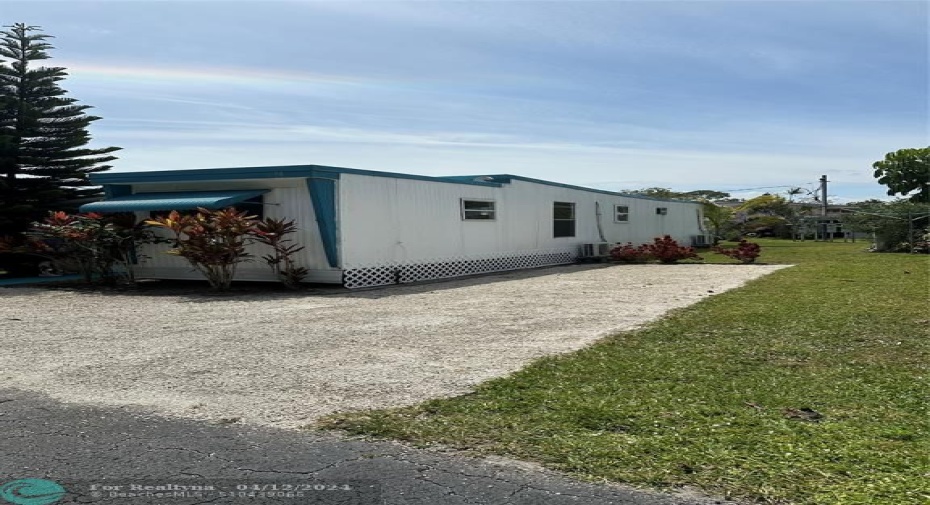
pixel 823 207
pixel 823 195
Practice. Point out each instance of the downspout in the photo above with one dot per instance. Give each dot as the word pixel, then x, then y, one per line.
pixel 597 218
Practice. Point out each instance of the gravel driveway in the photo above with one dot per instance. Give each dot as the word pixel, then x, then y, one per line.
pixel 283 359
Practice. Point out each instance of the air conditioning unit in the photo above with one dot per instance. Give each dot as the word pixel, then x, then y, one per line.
pixel 699 241
pixel 595 250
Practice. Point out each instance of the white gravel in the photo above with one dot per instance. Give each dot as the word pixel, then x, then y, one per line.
pixel 284 360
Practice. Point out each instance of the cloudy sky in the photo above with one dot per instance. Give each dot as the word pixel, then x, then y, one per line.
pixel 731 95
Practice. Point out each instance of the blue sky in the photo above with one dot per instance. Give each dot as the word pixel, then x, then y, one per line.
pixel 612 94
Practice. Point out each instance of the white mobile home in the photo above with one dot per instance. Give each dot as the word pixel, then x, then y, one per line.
pixel 366 228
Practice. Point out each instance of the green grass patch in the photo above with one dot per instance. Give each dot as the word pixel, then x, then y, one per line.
pixel 713 396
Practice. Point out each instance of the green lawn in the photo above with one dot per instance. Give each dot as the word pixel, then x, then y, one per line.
pixel 703 397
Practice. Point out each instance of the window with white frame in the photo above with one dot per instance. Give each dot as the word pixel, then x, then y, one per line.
pixel 563 219
pixel 478 210
pixel 661 211
pixel 621 214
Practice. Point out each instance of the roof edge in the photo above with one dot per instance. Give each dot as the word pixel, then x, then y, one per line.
pixel 261 172
pixel 285 171
pixel 507 178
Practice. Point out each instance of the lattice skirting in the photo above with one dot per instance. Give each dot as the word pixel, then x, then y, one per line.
pixel 382 274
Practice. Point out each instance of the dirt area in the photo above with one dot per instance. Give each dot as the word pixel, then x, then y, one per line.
pixel 284 359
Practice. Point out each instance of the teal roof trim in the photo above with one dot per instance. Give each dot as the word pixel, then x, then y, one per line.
pixel 180 200
pixel 271 172
pixel 508 178
pixel 326 172
pixel 323 196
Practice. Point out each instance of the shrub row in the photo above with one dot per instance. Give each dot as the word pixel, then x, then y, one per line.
pixel 105 248
pixel 666 250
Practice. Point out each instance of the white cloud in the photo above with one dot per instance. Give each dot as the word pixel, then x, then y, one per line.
pixel 449 153
pixel 617 94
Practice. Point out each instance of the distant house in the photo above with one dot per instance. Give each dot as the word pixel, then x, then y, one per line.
pixel 367 228
pixel 830 226
pixel 809 223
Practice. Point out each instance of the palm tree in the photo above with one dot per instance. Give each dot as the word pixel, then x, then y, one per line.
pixel 717 217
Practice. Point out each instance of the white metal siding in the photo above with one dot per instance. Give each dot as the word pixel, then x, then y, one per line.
pixel 390 220
pixel 287 198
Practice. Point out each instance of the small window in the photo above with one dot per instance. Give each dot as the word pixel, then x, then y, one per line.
pixel 661 211
pixel 478 210
pixel 563 219
pixel 621 214
pixel 253 206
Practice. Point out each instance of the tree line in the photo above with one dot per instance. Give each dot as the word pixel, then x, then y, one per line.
pixel 899 225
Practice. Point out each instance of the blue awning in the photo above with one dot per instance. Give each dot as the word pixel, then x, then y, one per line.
pixel 181 200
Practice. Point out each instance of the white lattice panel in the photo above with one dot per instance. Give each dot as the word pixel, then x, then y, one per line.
pixel 379 275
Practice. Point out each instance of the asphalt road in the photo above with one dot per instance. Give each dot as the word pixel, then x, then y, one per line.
pixel 84 448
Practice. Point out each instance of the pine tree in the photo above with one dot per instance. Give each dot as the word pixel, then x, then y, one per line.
pixel 44 161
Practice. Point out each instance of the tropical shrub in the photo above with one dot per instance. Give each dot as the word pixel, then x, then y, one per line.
pixel 272 232
pixel 666 250
pixel 212 241
pixel 897 226
pixel 19 259
pixel 745 252
pixel 8 243
pixel 628 253
pixel 719 219
pixel 768 226
pixel 922 246
pixel 96 246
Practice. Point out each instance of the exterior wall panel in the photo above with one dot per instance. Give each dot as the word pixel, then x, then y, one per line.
pixel 287 198
pixel 398 229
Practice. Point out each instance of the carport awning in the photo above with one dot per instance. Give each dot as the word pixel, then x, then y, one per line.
pixel 182 200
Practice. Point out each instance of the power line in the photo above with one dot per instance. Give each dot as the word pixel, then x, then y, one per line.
pixel 769 187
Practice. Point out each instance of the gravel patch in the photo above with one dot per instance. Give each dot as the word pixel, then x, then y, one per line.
pixel 285 360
